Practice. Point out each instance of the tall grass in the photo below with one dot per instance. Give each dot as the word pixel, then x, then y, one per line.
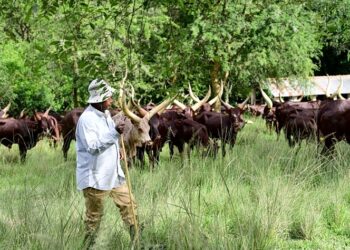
pixel 262 195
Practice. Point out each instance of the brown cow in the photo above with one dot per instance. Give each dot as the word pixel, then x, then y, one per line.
pixel 23 132
pixel 333 123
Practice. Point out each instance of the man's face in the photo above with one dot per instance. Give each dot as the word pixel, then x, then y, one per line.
pixel 107 103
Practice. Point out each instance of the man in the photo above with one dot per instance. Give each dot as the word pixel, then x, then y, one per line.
pixel 99 173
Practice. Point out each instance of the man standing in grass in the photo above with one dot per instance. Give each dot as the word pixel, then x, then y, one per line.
pixel 99 173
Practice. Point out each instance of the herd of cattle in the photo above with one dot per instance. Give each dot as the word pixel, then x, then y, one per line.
pixel 148 128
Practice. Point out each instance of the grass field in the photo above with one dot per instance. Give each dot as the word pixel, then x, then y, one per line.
pixel 262 195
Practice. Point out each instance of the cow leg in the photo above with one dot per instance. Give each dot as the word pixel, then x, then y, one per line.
pixel 150 153
pixel 223 148
pixel 22 152
pixel 189 147
pixel 329 144
pixel 171 149
pixel 215 148
pixel 140 155
pixel 66 144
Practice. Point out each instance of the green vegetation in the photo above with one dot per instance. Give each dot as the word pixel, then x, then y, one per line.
pixel 262 195
pixel 51 49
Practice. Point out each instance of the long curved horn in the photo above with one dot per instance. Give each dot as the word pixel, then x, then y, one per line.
pixel 47 112
pixel 200 103
pixel 214 100
pixel 266 98
pixel 127 111
pixel 7 108
pixel 340 89
pixel 180 104
pixel 280 97
pixel 246 100
pixel 121 89
pixel 193 96
pixel 227 105
pixel 160 107
pixel 137 105
pixel 328 95
pixel 243 104
pixel 21 115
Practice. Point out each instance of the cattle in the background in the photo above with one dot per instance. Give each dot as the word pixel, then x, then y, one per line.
pixel 256 110
pixel 284 110
pixel 301 125
pixel 52 127
pixel 182 131
pixel 222 126
pixel 24 132
pixel 68 125
pixel 333 122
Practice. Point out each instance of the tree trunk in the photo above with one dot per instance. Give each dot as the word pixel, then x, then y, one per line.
pixel 75 76
pixel 215 84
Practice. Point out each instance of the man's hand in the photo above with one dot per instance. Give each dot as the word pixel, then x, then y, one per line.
pixel 120 127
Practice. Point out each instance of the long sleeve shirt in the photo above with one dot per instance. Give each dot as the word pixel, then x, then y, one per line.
pixel 98 163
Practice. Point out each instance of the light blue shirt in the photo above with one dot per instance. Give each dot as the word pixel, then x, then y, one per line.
pixel 98 163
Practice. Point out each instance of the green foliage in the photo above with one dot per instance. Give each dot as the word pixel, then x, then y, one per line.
pixel 62 45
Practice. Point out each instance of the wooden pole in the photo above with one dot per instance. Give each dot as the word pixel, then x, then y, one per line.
pixel 128 181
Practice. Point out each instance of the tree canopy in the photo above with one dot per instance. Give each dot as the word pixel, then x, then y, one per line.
pixel 52 49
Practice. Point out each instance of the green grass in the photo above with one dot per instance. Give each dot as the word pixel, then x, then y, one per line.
pixel 262 195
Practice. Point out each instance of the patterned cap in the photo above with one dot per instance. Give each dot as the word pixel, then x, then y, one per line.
pixel 99 91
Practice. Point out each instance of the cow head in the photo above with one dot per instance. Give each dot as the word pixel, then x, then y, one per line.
pixel 141 124
pixel 236 115
pixel 47 124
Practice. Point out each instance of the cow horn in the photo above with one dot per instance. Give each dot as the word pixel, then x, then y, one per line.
pixel 214 100
pixel 200 103
pixel 340 89
pixel 21 115
pixel 47 112
pixel 121 89
pixel 266 98
pixel 141 110
pixel 328 95
pixel 7 108
pixel 280 97
pixel 193 96
pixel 127 111
pixel 226 105
pixel 160 107
pixel 179 104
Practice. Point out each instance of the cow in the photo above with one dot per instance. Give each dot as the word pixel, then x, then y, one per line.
pixel 52 130
pixel 136 132
pixel 285 109
pixel 333 121
pixel 68 126
pixel 256 110
pixel 24 132
pixel 159 132
pixel 301 125
pixel 222 126
pixel 188 131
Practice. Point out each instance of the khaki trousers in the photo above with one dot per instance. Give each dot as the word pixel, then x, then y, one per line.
pixel 94 200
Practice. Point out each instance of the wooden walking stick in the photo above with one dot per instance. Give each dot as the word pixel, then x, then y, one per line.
pixel 128 181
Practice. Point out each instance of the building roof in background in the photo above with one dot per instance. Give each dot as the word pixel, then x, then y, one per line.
pixel 316 85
